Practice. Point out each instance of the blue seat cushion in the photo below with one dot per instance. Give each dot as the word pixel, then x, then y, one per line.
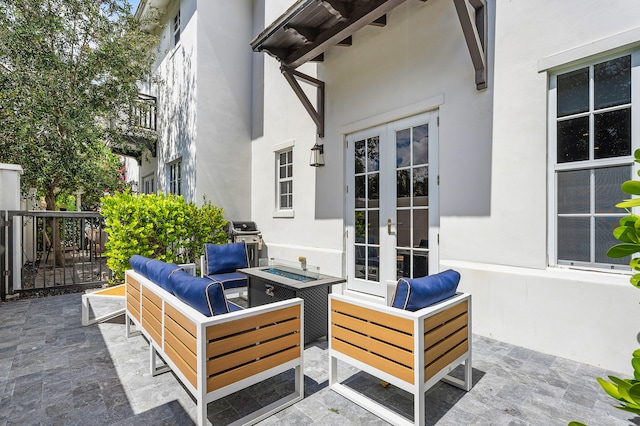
pixel 223 258
pixel 417 293
pixel 139 264
pixel 230 280
pixel 158 272
pixel 203 294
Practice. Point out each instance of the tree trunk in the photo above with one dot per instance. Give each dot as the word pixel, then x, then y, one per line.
pixel 50 199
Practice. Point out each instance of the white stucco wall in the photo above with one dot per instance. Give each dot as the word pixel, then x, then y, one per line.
pixel 503 256
pixel 493 163
pixel 285 122
pixel 177 97
pixel 223 156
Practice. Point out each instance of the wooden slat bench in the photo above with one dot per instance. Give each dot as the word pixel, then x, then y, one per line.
pixel 411 350
pixel 216 356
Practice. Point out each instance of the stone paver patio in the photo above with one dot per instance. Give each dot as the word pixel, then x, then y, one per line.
pixel 53 371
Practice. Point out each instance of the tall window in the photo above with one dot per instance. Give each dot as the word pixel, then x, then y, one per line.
pixel 285 179
pixel 176 28
pixel 147 184
pixel 593 154
pixel 175 177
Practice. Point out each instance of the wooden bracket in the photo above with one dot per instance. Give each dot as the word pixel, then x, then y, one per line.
pixel 317 114
pixel 473 19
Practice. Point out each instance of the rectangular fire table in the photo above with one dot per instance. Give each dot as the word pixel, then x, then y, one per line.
pixel 276 282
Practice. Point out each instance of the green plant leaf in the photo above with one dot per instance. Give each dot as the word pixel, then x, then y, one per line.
pixel 626 234
pixel 631 187
pixel 633 202
pixel 609 388
pixel 635 280
pixel 622 250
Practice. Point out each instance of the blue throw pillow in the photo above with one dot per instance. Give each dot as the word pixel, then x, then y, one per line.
pixel 203 294
pixel 417 293
pixel 158 272
pixel 139 264
pixel 223 258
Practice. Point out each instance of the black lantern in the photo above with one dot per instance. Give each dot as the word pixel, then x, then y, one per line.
pixel 317 156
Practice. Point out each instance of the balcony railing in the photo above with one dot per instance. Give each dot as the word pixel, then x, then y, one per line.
pixel 144 113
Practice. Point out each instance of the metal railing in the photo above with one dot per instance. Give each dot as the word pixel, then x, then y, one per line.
pixel 144 112
pixel 47 249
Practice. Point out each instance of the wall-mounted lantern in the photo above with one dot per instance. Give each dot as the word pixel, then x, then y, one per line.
pixel 317 156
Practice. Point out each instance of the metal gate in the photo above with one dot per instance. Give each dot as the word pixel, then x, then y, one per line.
pixel 47 249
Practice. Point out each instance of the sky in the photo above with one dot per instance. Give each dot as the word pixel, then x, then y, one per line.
pixel 134 5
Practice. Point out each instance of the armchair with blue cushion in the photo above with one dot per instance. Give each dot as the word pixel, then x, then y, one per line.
pixel 220 262
pixel 413 343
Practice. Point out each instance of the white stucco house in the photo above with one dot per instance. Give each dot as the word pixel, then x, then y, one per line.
pixel 487 136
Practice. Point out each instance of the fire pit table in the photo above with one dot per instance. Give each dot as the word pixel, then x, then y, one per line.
pixel 281 280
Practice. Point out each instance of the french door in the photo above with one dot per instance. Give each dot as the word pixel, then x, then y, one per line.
pixel 392 217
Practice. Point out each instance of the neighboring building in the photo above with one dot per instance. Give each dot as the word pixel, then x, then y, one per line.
pixel 202 82
pixel 486 136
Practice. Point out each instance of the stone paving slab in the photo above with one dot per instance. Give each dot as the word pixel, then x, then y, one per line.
pixel 53 371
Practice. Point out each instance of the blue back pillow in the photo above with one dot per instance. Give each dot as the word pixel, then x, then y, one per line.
pixel 158 272
pixel 224 258
pixel 203 294
pixel 413 294
pixel 139 264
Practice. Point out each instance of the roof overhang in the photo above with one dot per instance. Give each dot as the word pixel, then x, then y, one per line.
pixel 310 27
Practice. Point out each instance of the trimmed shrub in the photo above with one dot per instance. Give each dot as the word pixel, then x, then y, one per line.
pixel 163 227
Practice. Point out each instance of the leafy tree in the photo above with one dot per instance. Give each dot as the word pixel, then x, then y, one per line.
pixel 69 71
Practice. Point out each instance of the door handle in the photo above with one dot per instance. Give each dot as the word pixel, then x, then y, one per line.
pixel 389 223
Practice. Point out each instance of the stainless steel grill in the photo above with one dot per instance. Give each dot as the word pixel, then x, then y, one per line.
pixel 248 232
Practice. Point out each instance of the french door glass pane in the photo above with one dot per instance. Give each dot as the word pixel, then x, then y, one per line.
pixel 359 192
pixel 420 264
pixel 403 263
pixel 373 154
pixel 421 186
pixel 403 150
pixel 573 92
pixel 608 192
pixel 612 82
pixel 403 228
pixel 373 190
pixel 421 144
pixel 612 133
pixel 403 188
pixel 573 239
pixel 361 230
pixel 373 227
pixel 360 261
pixel 573 140
pixel 573 191
pixel 360 155
pixel 605 239
pixel 421 228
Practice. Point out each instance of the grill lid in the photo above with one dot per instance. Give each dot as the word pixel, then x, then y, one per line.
pixel 242 227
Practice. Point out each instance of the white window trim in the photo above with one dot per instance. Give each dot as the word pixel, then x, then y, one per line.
pixel 151 176
pixel 169 166
pixel 277 149
pixel 553 167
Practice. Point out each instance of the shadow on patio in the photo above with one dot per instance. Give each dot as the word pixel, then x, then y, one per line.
pixel 54 371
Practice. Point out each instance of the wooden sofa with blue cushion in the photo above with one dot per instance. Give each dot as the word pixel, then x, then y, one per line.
pixel 221 261
pixel 412 344
pixel 213 346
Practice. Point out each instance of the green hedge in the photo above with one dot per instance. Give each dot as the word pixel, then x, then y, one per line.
pixel 163 227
